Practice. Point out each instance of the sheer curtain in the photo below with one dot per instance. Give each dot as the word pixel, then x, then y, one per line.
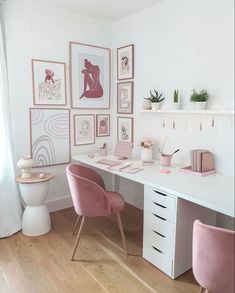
pixel 10 207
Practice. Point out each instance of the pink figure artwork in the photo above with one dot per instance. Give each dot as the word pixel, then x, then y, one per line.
pixel 49 75
pixel 92 86
pixel 103 129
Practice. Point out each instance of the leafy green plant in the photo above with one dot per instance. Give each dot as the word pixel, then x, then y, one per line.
pixel 176 96
pixel 155 98
pixel 201 96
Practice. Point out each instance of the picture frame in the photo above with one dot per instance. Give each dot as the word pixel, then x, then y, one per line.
pixel 49 136
pixel 125 129
pixel 102 125
pixel 125 62
pixel 125 97
pixel 84 129
pixel 90 74
pixel 49 83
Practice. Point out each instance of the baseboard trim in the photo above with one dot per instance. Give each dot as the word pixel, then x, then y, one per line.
pixel 59 203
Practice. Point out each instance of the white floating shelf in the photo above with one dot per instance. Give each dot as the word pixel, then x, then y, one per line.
pixel 197 112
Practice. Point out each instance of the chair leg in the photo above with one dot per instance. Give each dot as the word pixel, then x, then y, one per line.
pixel 76 224
pixel 122 231
pixel 78 237
pixel 201 290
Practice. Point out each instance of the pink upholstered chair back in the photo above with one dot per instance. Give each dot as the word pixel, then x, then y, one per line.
pixel 213 258
pixel 88 191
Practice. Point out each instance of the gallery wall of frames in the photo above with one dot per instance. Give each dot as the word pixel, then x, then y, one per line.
pixel 90 89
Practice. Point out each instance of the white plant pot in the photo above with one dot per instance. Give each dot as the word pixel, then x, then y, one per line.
pixel 199 105
pixel 146 154
pixel 155 106
pixel 176 106
pixel 25 164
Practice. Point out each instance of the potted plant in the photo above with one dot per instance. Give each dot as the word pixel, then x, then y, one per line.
pixel 199 99
pixel 155 100
pixel 176 103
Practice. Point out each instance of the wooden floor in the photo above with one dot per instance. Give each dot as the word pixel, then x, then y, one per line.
pixel 42 264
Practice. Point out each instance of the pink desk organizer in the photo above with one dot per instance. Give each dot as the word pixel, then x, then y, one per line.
pixel 166 160
pixel 103 152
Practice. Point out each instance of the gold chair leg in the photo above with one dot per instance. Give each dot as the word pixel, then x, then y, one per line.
pixel 201 290
pixel 76 224
pixel 122 231
pixel 78 237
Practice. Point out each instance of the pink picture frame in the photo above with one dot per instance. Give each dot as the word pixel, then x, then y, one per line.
pixel 125 97
pixel 125 62
pixel 125 129
pixel 102 125
pixel 49 83
pixel 84 129
pixel 90 76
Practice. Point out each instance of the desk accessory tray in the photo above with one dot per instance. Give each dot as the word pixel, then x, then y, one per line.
pixel 189 170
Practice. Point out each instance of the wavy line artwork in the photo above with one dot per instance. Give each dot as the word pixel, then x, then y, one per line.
pixel 50 136
pixel 37 116
pixel 56 126
pixel 43 151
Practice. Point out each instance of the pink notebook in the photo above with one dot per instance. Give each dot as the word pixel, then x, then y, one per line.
pixel 130 170
pixel 108 162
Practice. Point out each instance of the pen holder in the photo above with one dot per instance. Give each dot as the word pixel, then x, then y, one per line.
pixel 166 160
pixel 103 151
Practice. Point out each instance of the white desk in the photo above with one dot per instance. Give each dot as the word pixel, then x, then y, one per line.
pixel 171 203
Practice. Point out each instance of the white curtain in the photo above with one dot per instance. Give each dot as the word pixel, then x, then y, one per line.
pixel 10 207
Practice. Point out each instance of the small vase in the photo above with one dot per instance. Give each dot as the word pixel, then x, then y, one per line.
pixel 176 105
pixel 155 106
pixel 147 154
pixel 147 105
pixel 25 164
pixel 199 105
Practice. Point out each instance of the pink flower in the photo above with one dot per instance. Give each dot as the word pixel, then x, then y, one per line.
pixel 147 142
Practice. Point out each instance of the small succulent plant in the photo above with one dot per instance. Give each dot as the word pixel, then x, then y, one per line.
pixel 176 96
pixel 201 96
pixel 156 97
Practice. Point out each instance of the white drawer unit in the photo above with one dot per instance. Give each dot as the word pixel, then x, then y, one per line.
pixel 168 225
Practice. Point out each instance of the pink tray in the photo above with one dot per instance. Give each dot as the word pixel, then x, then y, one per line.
pixel 202 174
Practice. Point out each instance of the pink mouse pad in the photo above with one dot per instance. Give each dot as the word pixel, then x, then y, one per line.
pixel 165 171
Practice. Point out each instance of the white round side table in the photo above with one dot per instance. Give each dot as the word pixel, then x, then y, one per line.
pixel 34 190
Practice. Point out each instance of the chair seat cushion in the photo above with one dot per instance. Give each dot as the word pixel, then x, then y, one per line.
pixel 116 200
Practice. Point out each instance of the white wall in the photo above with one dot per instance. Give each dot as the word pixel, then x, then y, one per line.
pixel 38 31
pixel 183 44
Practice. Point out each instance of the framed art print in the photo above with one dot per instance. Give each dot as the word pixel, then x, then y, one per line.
pixel 125 62
pixel 49 83
pixel 125 97
pixel 89 76
pixel 84 129
pixel 50 136
pixel 125 129
pixel 102 125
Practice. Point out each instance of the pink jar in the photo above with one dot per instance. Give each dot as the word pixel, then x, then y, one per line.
pixel 103 152
pixel 166 160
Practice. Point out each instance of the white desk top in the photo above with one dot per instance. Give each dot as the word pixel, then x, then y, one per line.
pixel 215 191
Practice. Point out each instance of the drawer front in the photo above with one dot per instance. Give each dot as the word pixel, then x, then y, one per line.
pixel 160 197
pixel 156 223
pixel 159 241
pixel 158 259
pixel 160 210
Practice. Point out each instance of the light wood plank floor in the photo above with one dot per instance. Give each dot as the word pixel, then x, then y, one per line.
pixel 42 264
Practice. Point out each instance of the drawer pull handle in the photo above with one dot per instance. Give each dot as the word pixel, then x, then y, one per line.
pixel 159 217
pixel 158 192
pixel 159 205
pixel 159 234
pixel 157 249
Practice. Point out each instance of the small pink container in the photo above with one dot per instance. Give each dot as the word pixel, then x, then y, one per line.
pixel 166 160
pixel 103 152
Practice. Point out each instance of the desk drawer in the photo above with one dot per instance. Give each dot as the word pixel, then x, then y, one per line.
pixel 158 259
pixel 160 197
pixel 156 239
pixel 159 210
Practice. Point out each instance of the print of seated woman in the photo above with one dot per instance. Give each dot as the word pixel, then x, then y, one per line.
pixel 92 86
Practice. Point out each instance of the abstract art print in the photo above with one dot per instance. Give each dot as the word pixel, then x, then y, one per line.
pixel 50 136
pixel 125 129
pixel 49 82
pixel 84 129
pixel 102 125
pixel 125 97
pixel 89 76
pixel 125 62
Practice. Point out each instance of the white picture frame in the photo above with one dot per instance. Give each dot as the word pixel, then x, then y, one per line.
pixel 125 129
pixel 84 129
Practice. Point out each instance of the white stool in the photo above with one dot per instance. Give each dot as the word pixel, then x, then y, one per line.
pixel 34 190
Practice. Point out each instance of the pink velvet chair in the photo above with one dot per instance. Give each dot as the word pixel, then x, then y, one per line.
pixel 90 199
pixel 213 258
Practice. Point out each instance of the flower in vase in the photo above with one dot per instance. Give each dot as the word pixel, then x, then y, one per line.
pixel 147 142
